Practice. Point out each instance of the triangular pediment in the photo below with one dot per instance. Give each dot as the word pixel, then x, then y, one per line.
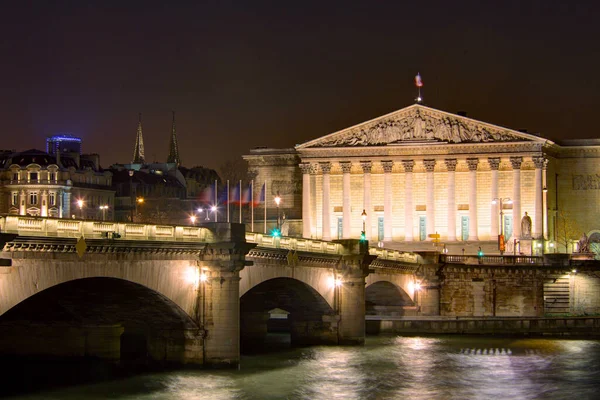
pixel 419 125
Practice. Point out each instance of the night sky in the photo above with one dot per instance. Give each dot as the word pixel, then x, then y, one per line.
pixel 242 74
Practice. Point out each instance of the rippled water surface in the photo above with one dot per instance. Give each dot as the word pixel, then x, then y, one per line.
pixel 401 367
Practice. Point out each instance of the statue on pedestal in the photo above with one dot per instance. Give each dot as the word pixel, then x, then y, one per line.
pixel 583 246
pixel 285 228
pixel 526 227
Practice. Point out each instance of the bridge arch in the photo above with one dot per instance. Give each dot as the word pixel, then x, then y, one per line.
pixel 30 275
pixel 390 294
pixel 308 315
pixel 104 317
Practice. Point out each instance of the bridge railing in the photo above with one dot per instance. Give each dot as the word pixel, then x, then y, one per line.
pixel 393 255
pixel 294 243
pixel 56 227
pixel 492 260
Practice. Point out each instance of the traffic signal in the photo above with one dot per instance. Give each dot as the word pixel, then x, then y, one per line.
pixel 363 236
pixel 480 253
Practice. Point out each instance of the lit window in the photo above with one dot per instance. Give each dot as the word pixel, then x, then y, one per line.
pixel 15 198
pixel 33 198
pixel 52 199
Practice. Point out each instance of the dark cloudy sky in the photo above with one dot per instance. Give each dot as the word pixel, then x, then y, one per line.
pixel 242 74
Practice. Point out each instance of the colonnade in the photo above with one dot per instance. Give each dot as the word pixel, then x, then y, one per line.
pixel 310 170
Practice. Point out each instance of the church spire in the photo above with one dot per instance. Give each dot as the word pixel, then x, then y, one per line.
pixel 173 148
pixel 138 151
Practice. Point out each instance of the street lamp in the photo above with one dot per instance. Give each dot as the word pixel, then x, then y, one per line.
pixel 103 208
pixel 500 202
pixel 132 204
pixel 80 205
pixel 193 219
pixel 278 201
pixel 200 210
pixel 363 234
pixel 213 209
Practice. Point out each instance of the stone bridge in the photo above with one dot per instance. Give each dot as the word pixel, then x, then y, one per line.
pixel 191 294
pixel 174 293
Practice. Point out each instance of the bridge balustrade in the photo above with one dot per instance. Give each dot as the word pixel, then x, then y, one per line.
pixel 55 227
pixel 492 260
pixel 292 243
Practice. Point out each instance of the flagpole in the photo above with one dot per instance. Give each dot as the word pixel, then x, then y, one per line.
pixel 216 206
pixel 265 207
pixel 227 200
pixel 252 205
pixel 240 197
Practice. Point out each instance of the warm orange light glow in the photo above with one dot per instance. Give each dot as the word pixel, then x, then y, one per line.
pixel 192 275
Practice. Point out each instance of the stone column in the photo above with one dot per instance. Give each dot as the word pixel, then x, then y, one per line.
pixel 538 217
pixel 516 197
pixel 346 216
pixel 430 197
pixel 473 233
pixel 495 206
pixel 306 215
pixel 408 199
pixel 326 169
pixel 66 204
pixel 387 199
pixel 22 203
pixel 451 166
pixel 314 170
pixel 366 167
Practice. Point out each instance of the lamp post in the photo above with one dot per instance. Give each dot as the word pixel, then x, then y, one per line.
pixel 104 208
pixel 131 196
pixel 278 201
pixel 138 200
pixel 363 234
pixel 544 199
pixel 193 219
pixel 213 209
pixel 500 202
pixel 80 205
pixel 200 210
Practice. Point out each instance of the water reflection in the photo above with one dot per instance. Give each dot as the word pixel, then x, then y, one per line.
pixel 402 367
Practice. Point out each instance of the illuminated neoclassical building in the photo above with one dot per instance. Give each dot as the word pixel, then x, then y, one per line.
pixel 418 171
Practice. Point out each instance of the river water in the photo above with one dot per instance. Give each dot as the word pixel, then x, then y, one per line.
pixel 448 367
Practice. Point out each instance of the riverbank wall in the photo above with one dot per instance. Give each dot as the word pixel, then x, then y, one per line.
pixel 531 326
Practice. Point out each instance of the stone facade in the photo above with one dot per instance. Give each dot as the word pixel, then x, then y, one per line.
pixel 418 172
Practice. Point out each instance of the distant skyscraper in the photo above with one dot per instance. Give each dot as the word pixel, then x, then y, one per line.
pixel 173 148
pixel 63 144
pixel 138 151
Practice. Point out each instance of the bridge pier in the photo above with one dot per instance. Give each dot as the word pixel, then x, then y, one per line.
pixel 220 266
pixel 350 294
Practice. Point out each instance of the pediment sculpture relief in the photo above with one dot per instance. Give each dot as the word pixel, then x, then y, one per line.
pixel 419 126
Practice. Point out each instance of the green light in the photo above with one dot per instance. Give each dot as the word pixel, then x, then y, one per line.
pixel 363 236
pixel 276 233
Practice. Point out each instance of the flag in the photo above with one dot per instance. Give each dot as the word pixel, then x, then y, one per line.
pixel 418 80
pixel 222 197
pixel 207 195
pixel 235 195
pixel 261 196
pixel 247 195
